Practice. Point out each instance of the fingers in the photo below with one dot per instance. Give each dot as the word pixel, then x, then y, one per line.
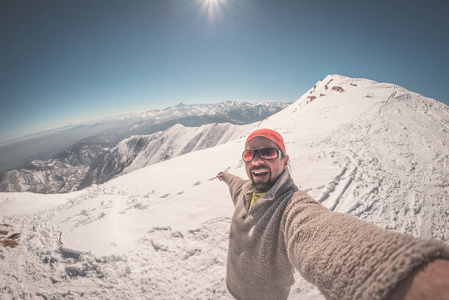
pixel 220 176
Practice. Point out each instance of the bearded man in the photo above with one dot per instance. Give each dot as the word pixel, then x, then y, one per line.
pixel 277 228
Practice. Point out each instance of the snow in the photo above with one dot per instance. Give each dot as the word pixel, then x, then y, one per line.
pixel 28 203
pixel 375 150
pixel 141 151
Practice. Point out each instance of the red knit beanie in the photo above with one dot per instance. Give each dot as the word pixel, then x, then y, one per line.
pixel 269 134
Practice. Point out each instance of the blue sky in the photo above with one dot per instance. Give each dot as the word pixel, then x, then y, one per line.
pixel 61 61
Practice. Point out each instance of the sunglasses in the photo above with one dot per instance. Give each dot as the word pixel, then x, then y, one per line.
pixel 264 153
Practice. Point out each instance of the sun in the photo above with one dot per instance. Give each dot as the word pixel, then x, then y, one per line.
pixel 213 9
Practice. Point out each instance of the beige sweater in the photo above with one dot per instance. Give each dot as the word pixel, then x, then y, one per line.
pixel 346 258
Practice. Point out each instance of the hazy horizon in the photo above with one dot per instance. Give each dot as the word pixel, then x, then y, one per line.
pixel 99 118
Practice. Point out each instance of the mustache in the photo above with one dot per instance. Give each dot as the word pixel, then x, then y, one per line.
pixel 255 168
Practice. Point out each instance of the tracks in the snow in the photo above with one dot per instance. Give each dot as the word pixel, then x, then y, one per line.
pixel 339 185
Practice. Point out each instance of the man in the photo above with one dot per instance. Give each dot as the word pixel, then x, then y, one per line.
pixel 277 228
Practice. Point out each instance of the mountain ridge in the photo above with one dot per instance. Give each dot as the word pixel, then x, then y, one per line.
pixel 140 151
pixel 65 170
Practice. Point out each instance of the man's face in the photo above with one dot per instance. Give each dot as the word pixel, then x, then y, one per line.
pixel 264 173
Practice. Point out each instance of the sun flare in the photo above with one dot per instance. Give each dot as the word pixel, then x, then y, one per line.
pixel 213 9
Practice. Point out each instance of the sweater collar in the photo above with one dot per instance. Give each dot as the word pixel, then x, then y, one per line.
pixel 283 185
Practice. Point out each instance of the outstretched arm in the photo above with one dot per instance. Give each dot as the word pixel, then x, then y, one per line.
pixel 235 184
pixel 347 258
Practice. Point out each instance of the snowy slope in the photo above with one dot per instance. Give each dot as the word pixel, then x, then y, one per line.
pixel 373 150
pixel 141 151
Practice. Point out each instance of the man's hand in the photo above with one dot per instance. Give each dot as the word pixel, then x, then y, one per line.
pixel 220 176
pixel 431 281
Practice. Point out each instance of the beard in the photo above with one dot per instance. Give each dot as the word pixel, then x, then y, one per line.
pixel 260 186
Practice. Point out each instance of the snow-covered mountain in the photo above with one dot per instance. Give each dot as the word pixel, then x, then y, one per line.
pixel 372 150
pixel 65 170
pixel 141 151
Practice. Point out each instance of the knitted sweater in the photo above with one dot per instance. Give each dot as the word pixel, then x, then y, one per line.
pixel 346 258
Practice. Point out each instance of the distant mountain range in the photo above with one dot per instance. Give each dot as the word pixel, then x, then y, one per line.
pixel 74 158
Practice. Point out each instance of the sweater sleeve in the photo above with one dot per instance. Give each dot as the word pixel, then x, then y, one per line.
pixel 235 184
pixel 347 258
